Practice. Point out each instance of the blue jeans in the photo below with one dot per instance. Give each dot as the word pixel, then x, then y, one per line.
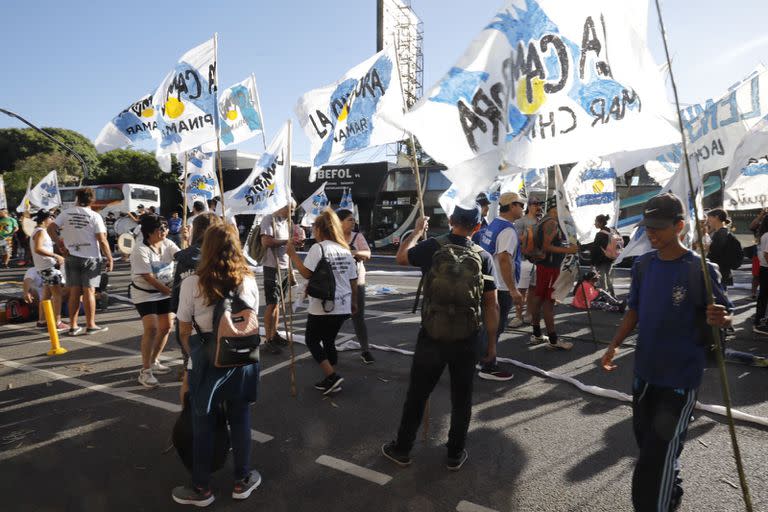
pixel 505 306
pixel 239 419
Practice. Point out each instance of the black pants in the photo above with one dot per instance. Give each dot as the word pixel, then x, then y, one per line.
pixel 429 360
pixel 660 418
pixel 762 298
pixel 321 336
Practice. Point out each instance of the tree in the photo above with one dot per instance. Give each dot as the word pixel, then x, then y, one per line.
pixel 36 167
pixel 17 144
pixel 131 166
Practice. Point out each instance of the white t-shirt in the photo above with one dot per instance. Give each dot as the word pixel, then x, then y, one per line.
pixel 361 244
pixel 762 250
pixel 506 242
pixel 42 262
pixel 280 232
pixel 192 304
pixel 37 281
pixel 344 270
pixel 145 260
pixel 79 226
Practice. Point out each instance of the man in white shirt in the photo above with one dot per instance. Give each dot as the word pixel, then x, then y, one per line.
pixel 84 243
pixel 274 236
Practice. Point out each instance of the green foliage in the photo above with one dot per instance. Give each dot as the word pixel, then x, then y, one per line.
pixel 36 167
pixel 17 144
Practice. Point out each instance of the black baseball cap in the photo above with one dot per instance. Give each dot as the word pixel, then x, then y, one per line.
pixel 482 199
pixel 662 211
pixel 466 216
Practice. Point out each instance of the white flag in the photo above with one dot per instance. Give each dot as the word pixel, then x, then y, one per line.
pixel 185 101
pixel 239 114
pixel 746 184
pixel 43 196
pixel 202 184
pixel 3 200
pixel 135 124
pixel 536 180
pixel 552 80
pixel 591 191
pixel 266 188
pixel 346 202
pixel 356 112
pixel 564 217
pixel 313 205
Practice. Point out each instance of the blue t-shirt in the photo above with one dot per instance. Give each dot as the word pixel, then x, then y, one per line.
pixel 671 346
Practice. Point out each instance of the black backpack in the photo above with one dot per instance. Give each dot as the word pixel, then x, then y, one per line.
pixel 322 284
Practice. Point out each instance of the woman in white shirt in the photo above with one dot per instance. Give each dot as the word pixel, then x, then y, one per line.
pixel 152 266
pixel 361 252
pixel 323 324
pixel 222 268
pixel 48 265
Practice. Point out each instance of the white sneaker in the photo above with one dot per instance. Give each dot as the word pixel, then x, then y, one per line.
pixel 560 345
pixel 516 322
pixel 148 380
pixel 159 368
pixel 536 340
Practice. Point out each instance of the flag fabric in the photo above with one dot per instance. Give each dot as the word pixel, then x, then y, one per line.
pixel 135 124
pixel 164 162
pixel 346 202
pixel 43 196
pixel 354 113
pixel 266 189
pixel 746 184
pixel 202 184
pixel 539 83
pixel 3 199
pixel 564 214
pixel 637 246
pixel 313 205
pixel 185 101
pixel 590 190
pixel 239 114
pixel 536 180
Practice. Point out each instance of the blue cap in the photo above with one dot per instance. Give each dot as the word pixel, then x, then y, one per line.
pixel 466 216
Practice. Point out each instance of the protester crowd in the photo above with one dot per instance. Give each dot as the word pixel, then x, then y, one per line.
pixel 474 278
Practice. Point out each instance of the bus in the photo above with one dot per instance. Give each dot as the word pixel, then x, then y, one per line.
pixel 116 198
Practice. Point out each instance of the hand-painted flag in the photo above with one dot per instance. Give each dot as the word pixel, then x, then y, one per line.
pixel 202 184
pixel 746 184
pixel 346 202
pixel 266 189
pixel 354 113
pixel 43 196
pixel 313 205
pixel 185 101
pixel 239 114
pixel 135 124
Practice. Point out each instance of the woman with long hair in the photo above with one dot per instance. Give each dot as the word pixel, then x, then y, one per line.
pixel 361 252
pixel 602 264
pixel 48 264
pixel 325 320
pixel 222 270
pixel 152 267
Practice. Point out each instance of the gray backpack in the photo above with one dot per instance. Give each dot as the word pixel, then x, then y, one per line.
pixel 453 292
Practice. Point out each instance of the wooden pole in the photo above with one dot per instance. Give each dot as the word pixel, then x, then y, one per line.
pixel 187 242
pixel 707 281
pixel 261 115
pixel 218 126
pixel 289 194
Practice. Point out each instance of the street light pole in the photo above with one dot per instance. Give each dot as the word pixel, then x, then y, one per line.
pixel 51 137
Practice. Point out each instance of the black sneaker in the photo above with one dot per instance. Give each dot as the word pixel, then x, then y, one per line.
pixel 272 348
pixel 332 383
pixel 390 451
pixel 321 385
pixel 279 341
pixel 193 496
pixel 454 461
pixel 367 357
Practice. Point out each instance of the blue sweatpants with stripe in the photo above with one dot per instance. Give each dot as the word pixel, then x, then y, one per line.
pixel 660 418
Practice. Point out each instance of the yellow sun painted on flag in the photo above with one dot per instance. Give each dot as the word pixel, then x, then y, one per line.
pixel 201 185
pixel 598 186
pixel 271 186
pixel 344 112
pixel 174 108
pixel 148 112
pixel 232 115
pixel 539 97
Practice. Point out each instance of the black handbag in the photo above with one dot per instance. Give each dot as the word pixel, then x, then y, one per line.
pixel 183 439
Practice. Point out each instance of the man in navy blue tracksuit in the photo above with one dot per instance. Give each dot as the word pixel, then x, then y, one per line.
pixel 667 300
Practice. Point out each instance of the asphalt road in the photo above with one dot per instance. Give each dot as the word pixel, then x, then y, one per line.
pixel 77 432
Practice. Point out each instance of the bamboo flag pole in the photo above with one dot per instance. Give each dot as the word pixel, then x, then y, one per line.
pixel 261 114
pixel 289 195
pixel 184 202
pixel 707 281
pixel 217 123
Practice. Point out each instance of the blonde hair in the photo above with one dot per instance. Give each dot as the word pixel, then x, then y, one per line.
pixel 329 227
pixel 222 266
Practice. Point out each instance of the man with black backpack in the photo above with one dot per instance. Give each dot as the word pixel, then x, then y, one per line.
pixel 667 299
pixel 458 290
pixel 725 249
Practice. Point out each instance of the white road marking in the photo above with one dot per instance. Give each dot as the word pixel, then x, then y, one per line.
pixel 59 436
pixel 278 366
pixel 354 470
pixel 108 390
pixel 468 506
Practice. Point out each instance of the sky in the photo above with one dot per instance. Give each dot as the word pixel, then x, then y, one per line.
pixel 76 64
